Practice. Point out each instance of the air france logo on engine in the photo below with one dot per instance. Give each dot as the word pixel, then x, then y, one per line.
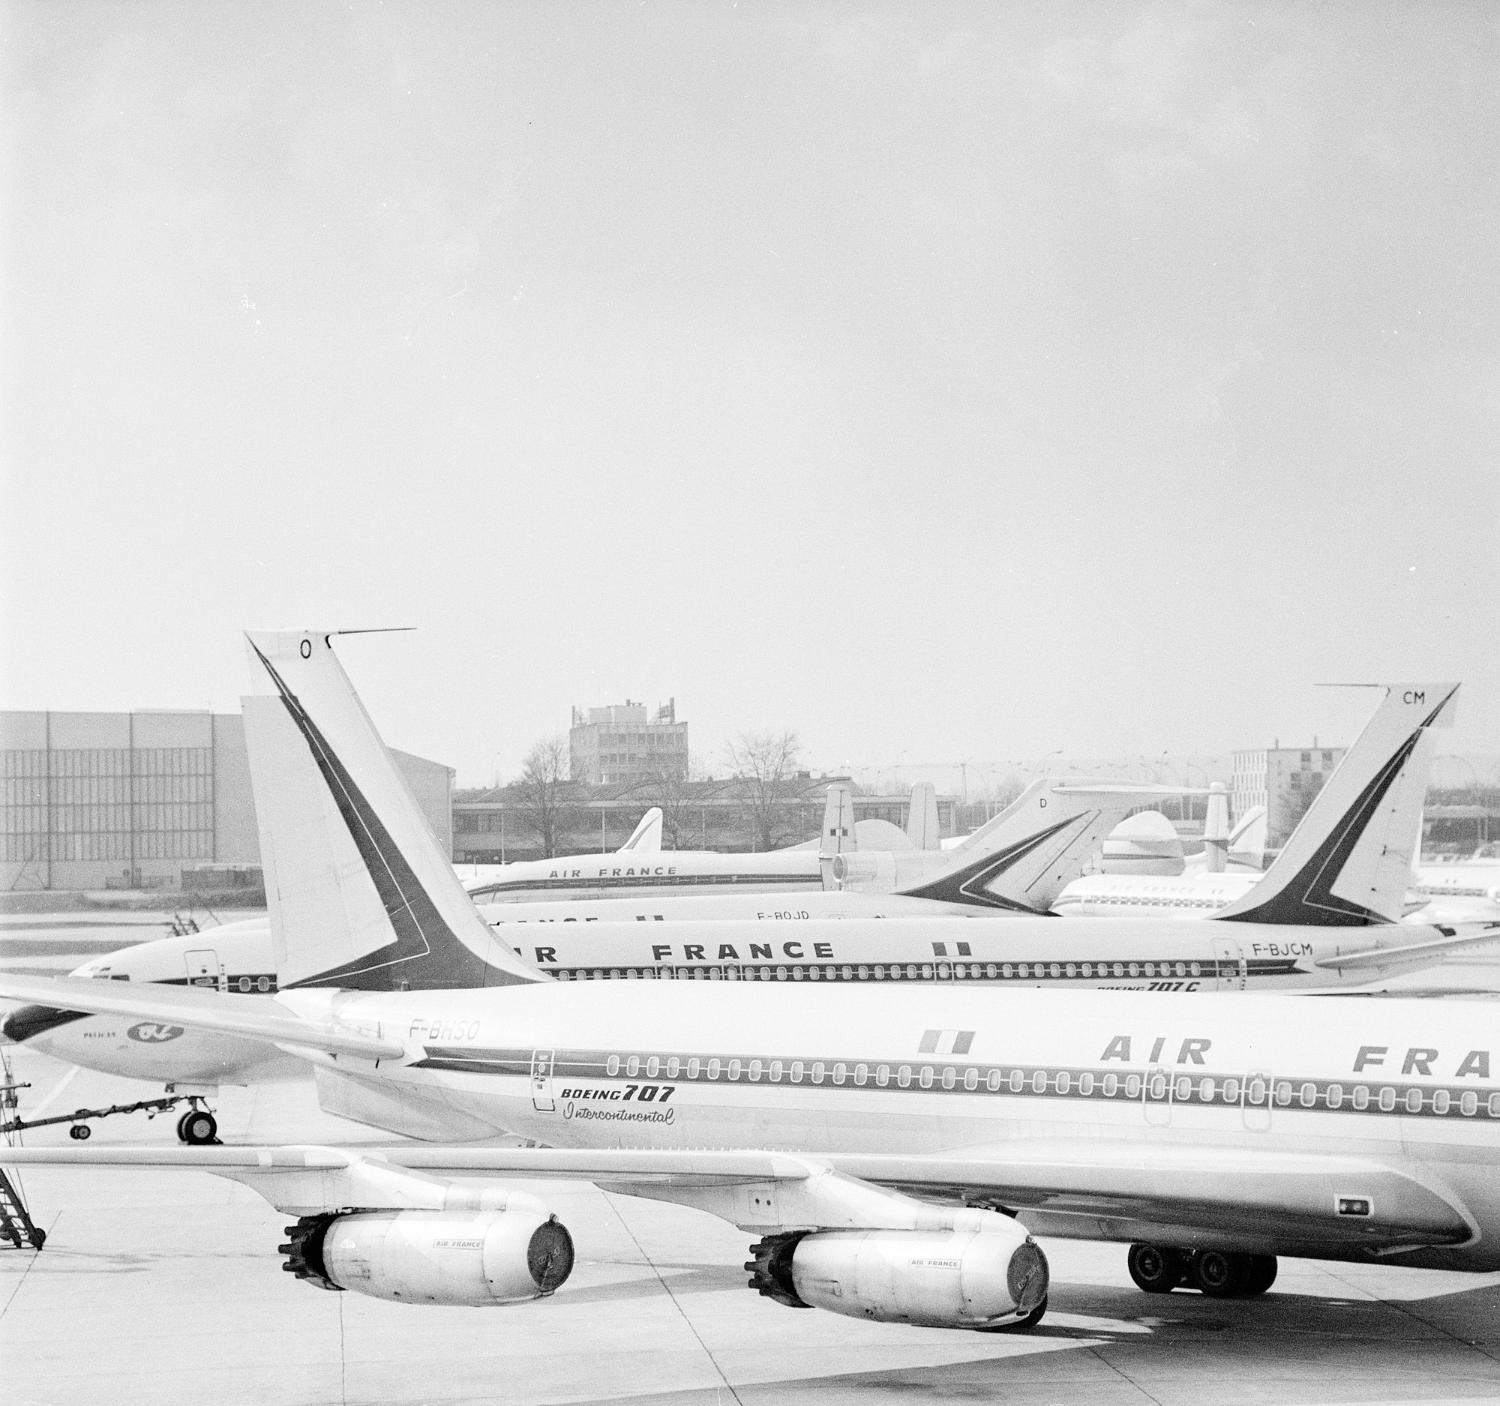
pixel 150 1032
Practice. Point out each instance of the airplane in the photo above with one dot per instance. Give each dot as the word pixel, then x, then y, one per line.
pixel 588 876
pixel 880 860
pixel 895 1152
pixel 1122 954
pixel 1386 756
pixel 1461 891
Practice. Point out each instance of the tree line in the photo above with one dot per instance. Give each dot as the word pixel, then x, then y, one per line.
pixel 552 807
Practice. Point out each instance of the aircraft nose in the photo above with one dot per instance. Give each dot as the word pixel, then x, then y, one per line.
pixel 27 1022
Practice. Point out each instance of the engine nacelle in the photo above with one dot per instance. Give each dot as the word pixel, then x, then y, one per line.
pixel 886 871
pixel 963 1278
pixel 441 1257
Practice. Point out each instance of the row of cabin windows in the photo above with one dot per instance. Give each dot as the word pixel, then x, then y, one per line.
pixel 894 971
pixel 1256 1091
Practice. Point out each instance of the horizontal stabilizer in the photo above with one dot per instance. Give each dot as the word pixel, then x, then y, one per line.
pixel 253 1017
pixel 1408 953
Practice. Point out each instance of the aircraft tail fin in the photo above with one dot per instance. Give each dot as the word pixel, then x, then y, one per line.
pixel 646 837
pixel 361 895
pixel 1247 841
pixel 922 817
pixel 838 831
pixel 1347 863
pixel 1022 858
pixel 1216 829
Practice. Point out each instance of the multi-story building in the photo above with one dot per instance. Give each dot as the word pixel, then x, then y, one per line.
pixel 620 745
pixel 1284 780
pixel 134 800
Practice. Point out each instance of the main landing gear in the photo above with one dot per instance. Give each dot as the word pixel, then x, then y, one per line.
pixel 1221 1274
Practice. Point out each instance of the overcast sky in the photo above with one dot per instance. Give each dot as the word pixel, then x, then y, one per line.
pixel 944 382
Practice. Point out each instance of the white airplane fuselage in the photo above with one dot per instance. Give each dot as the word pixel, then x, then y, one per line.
pixel 1407 1086
pixel 1465 891
pixel 1152 896
pixel 1002 952
pixel 674 872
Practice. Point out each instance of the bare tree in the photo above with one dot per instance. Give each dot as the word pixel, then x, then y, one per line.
pixel 546 797
pixel 674 790
pixel 767 761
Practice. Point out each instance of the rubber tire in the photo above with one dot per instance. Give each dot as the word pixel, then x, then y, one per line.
pixel 37 1236
pixel 80 1132
pixel 1220 1274
pixel 199 1128
pixel 1156 1269
pixel 1019 1325
pixel 1262 1275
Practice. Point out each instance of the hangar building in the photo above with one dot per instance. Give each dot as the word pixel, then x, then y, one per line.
pixel 136 800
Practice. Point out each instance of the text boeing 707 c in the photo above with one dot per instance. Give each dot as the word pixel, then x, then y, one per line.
pixel 892 1148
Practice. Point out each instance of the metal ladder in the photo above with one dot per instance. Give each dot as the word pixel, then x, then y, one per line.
pixel 15 1220
pixel 16 1223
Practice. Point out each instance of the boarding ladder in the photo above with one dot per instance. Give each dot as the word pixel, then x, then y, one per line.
pixel 16 1223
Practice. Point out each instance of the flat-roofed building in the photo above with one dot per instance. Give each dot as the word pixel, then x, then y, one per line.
pixel 132 800
pixel 620 745
pixel 1284 780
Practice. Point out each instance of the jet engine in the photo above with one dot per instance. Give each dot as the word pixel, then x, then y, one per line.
pixel 437 1257
pixel 937 1279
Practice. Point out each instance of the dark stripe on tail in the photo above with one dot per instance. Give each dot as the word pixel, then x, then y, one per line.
pixel 427 954
pixel 969 885
pixel 1307 898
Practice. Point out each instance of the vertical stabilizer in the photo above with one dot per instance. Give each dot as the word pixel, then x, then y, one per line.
pixel 922 817
pixel 361 895
pixel 838 831
pixel 1247 841
pixel 1347 863
pixel 1216 829
pixel 1023 857
pixel 646 837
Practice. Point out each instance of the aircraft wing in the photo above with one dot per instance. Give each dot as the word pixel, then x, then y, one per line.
pixel 254 1017
pixel 1303 1203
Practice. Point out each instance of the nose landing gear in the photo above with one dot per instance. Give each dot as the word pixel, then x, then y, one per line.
pixel 197 1127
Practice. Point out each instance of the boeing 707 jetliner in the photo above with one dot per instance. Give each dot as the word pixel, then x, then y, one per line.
pixel 1128 954
pixel 892 1148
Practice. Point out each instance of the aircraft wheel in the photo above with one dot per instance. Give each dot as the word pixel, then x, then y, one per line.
pixel 80 1132
pixel 198 1127
pixel 1155 1268
pixel 1262 1274
pixel 1220 1274
pixel 1019 1325
pixel 37 1236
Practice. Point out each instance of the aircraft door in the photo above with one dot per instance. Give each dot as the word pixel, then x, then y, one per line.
pixel 1156 1095
pixel 1257 1098
pixel 1229 961
pixel 204 969
pixel 541 1081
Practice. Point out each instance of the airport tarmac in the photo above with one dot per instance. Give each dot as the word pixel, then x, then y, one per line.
pixel 162 1288
pixel 159 1288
